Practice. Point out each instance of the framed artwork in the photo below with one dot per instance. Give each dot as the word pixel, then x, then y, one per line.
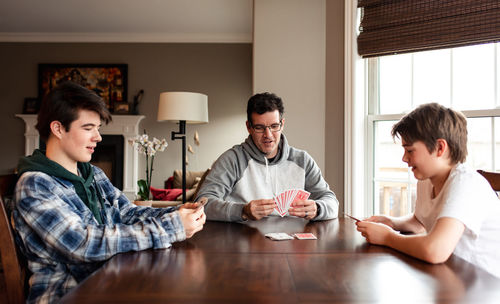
pixel 108 80
pixel 31 105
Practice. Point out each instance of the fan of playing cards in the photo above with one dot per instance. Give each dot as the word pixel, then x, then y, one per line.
pixel 285 199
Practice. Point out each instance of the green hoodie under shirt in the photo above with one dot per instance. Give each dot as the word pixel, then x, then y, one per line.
pixel 39 162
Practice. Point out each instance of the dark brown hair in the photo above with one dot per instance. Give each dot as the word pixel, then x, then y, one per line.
pixel 430 122
pixel 63 104
pixel 262 103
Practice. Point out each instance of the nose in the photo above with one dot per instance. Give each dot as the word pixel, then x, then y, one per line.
pixel 97 137
pixel 267 131
pixel 405 157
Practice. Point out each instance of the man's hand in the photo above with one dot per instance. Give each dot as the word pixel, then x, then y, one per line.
pixel 306 209
pixel 257 209
pixel 192 218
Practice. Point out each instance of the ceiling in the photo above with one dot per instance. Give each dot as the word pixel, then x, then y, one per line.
pixel 126 21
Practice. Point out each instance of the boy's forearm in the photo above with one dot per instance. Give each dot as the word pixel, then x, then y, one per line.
pixel 419 246
pixel 408 223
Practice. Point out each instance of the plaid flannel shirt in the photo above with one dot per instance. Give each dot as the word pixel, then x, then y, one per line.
pixel 63 242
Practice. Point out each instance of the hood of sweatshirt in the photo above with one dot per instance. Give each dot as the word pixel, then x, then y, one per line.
pixel 40 163
pixel 283 151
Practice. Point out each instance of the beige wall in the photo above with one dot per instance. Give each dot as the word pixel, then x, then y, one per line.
pixel 289 60
pixel 299 55
pixel 222 71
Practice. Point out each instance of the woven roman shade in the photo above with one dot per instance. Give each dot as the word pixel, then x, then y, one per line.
pixel 401 26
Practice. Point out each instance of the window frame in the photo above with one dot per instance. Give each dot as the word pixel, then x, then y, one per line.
pixel 361 114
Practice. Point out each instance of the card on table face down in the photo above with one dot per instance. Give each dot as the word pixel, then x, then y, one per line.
pixel 278 236
pixel 305 236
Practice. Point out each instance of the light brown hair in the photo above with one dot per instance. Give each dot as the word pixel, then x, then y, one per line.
pixel 432 121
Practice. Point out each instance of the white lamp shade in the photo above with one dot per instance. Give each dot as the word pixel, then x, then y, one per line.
pixel 188 106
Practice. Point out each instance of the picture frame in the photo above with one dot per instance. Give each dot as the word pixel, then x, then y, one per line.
pixel 108 80
pixel 31 105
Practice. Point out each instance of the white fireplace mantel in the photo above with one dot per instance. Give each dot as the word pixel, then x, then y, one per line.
pixel 126 125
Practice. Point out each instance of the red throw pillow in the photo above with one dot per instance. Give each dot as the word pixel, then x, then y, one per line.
pixel 169 183
pixel 165 194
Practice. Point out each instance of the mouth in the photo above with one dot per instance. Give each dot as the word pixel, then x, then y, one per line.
pixel 91 149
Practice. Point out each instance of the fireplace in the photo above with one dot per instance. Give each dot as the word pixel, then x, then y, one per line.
pixel 123 128
pixel 108 156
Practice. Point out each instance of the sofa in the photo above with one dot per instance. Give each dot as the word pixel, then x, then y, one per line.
pixel 172 191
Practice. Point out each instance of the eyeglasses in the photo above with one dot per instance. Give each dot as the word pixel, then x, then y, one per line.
pixel 275 127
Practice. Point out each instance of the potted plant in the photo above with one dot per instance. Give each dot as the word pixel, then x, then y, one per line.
pixel 149 149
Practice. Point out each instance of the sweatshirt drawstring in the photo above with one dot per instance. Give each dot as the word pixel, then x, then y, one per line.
pixel 267 170
pixel 275 190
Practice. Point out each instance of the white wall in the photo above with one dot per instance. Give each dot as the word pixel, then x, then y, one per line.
pixel 289 60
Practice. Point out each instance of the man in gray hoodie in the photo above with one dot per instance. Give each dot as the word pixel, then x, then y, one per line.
pixel 245 179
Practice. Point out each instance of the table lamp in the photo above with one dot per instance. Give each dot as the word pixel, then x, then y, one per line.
pixel 184 107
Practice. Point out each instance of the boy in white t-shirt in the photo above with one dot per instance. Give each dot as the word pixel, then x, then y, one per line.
pixel 456 209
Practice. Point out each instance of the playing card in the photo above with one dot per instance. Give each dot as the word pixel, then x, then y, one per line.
pixel 285 199
pixel 352 217
pixel 302 195
pixel 305 236
pixel 278 236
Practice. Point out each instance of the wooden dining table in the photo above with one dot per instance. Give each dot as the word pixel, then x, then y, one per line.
pixel 236 263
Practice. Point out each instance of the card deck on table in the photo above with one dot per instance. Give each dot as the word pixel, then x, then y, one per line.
pixel 305 236
pixel 286 198
pixel 278 236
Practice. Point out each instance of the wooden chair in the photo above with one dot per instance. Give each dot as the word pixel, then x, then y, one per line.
pixel 13 263
pixel 492 177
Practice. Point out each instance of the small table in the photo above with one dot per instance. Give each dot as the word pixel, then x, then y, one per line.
pixel 235 263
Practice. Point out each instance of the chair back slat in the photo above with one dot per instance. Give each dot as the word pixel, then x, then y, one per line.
pixel 13 264
pixel 492 177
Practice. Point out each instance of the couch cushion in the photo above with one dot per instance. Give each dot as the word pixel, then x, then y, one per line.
pixel 166 194
pixel 190 178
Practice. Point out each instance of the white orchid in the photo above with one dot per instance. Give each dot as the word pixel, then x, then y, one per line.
pixel 148 148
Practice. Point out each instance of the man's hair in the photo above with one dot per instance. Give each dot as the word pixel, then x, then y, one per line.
pixel 262 103
pixel 430 122
pixel 63 104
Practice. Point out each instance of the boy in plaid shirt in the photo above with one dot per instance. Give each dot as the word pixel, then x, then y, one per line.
pixel 68 216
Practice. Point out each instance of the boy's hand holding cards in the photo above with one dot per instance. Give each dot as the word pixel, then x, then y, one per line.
pixel 286 198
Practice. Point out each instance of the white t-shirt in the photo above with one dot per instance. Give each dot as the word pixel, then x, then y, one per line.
pixel 467 197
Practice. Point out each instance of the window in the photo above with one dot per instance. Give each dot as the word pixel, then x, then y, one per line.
pixel 465 78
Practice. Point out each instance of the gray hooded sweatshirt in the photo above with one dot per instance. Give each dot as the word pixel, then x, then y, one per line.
pixel 243 173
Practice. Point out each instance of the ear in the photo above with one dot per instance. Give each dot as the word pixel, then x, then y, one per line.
pixel 441 147
pixel 249 127
pixel 282 124
pixel 56 128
